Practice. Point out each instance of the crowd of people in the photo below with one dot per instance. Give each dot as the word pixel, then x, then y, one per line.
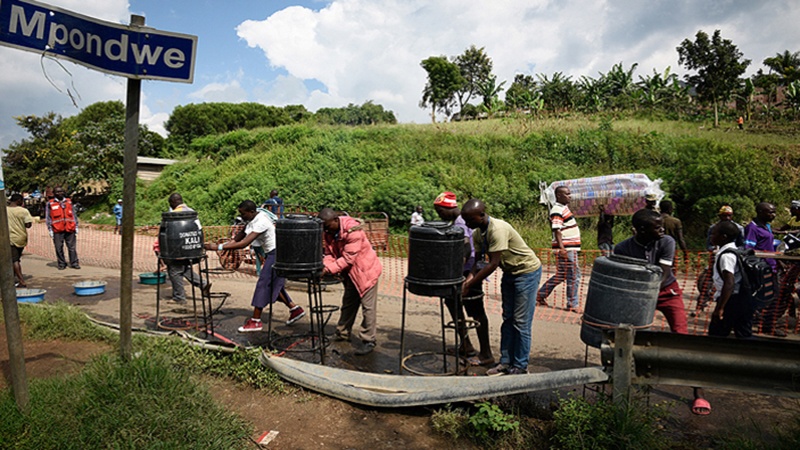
pixel 491 243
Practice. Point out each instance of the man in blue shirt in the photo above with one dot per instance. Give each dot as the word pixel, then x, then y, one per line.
pixel 274 203
pixel 118 215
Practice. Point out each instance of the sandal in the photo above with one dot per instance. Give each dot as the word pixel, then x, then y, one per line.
pixel 475 361
pixel 701 407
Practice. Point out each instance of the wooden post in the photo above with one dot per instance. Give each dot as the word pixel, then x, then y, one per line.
pixel 132 103
pixel 16 356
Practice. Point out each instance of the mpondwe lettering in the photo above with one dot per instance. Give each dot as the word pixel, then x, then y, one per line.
pixel 131 51
pixel 112 49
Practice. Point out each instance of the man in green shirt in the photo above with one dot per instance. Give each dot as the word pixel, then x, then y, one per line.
pixel 522 271
pixel 19 220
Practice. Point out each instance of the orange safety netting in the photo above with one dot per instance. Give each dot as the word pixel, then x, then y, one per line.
pixel 99 246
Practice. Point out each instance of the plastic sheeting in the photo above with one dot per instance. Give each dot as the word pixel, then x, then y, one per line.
pixel 621 194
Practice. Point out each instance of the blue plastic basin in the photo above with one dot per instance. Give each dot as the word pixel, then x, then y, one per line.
pixel 30 295
pixel 89 287
pixel 153 278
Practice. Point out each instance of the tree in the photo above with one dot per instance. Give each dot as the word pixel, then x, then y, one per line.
pixel 195 120
pixel 559 92
pixel 87 146
pixel 656 88
pixel 718 63
pixel 786 65
pixel 366 114
pixel 593 93
pixel 793 97
pixel 619 87
pixel 490 91
pixel 47 158
pixel 744 97
pixel 523 94
pixel 444 80
pixel 476 68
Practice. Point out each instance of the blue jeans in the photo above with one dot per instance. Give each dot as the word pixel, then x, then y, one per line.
pixel 519 304
pixel 566 270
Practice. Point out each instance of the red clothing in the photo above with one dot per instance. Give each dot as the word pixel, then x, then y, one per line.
pixel 350 253
pixel 61 219
pixel 670 303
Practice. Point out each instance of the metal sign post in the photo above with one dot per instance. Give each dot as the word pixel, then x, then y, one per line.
pixel 132 103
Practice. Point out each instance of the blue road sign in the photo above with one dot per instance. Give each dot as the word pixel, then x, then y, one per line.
pixel 133 52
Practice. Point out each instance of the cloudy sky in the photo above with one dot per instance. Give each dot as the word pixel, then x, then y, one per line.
pixel 331 53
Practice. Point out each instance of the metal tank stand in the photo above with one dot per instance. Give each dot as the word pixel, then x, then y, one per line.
pixel 319 315
pixel 467 324
pixel 192 321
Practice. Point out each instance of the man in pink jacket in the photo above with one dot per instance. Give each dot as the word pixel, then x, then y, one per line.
pixel 348 253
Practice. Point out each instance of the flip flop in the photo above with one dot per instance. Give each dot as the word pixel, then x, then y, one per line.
pixel 475 361
pixel 701 407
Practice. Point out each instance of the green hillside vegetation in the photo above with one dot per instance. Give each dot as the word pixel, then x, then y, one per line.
pixel 392 168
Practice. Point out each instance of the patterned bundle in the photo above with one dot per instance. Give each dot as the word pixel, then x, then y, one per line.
pixel 621 194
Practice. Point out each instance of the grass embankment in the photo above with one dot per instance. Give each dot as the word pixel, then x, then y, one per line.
pixel 393 168
pixel 152 401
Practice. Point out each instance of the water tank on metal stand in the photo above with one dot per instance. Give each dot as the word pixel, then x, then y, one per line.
pixel 298 252
pixel 621 290
pixel 180 236
pixel 435 258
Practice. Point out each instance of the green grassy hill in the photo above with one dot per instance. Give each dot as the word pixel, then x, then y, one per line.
pixel 392 168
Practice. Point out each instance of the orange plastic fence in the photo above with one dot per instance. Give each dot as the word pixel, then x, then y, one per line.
pixel 99 246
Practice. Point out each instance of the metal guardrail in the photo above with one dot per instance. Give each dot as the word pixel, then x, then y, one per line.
pixel 760 365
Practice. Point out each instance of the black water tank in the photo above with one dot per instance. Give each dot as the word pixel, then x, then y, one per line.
pixel 298 252
pixel 435 258
pixel 180 236
pixel 621 290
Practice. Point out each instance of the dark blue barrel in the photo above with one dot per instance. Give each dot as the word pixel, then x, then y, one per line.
pixel 435 258
pixel 621 290
pixel 298 241
pixel 180 236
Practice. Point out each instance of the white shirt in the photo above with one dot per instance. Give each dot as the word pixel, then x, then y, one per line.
pixel 417 219
pixel 727 262
pixel 266 229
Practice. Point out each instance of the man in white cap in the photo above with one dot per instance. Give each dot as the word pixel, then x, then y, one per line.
pixel 725 214
pixel 118 216
pixel 705 283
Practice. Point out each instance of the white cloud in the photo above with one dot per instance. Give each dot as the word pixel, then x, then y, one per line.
pixel 369 49
pixel 283 90
pixel 154 122
pixel 230 92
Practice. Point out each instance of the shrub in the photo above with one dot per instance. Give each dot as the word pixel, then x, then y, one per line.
pixel 604 425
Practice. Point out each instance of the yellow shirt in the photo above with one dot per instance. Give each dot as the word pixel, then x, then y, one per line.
pixel 17 218
pixel 516 257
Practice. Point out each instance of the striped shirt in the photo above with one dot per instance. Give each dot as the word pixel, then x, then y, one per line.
pixel 562 219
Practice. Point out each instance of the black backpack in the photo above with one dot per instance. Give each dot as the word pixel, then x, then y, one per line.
pixel 758 280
